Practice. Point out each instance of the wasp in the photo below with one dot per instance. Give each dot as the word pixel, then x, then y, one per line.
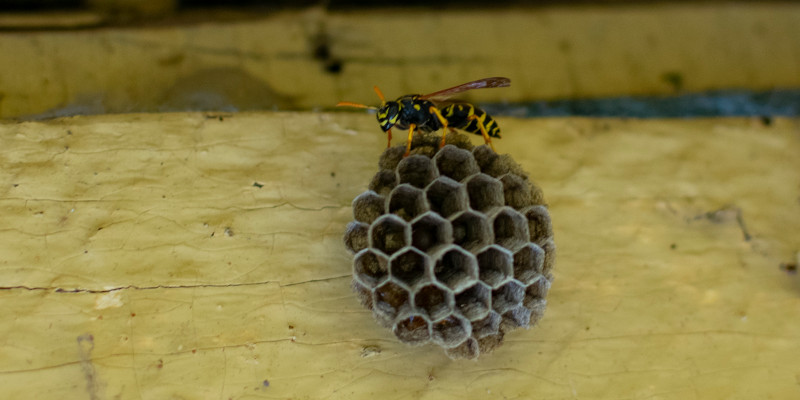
pixel 431 112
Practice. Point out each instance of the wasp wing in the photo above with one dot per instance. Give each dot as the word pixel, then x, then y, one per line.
pixel 479 84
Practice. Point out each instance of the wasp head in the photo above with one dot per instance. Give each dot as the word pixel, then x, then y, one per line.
pixel 387 115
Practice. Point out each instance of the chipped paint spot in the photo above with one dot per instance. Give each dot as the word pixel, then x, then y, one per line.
pixel 108 300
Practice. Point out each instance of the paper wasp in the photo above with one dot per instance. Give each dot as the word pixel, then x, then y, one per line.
pixel 431 112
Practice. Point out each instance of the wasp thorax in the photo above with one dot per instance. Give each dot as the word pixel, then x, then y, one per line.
pixel 452 246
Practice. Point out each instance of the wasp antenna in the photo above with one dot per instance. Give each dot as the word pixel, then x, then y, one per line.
pixel 380 94
pixel 356 105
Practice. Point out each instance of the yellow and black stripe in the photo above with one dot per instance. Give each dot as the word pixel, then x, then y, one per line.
pixel 468 118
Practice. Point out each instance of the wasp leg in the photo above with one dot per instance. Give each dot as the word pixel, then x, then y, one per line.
pixel 483 131
pixel 390 138
pixel 411 129
pixel 434 110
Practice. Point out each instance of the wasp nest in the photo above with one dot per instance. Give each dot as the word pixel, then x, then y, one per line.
pixel 452 246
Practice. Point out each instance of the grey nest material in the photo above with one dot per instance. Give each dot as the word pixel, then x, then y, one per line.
pixel 453 246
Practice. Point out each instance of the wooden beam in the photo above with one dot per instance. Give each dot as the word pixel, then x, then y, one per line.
pixel 200 256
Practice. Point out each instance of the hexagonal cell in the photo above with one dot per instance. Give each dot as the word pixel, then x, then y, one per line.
pixel 469 350
pixel 363 294
pixel 391 157
pixel 474 302
pixel 536 291
pixel 528 263
pixel 508 296
pixel 425 144
pixel 416 170
pixel 540 227
pixel 412 329
pixel 516 191
pixel 383 182
pixel 537 308
pixel 484 192
pixel 368 206
pixel 549 248
pixel 356 236
pixel 407 202
pixel 388 234
pixel 456 268
pixel 459 139
pixel 495 265
pixel 391 299
pixel 451 331
pixel 430 231
pixel 517 317
pixel 484 156
pixel 510 228
pixel 487 344
pixel 371 268
pixel 446 196
pixel 436 301
pixel 504 164
pixel 471 230
pixel 410 267
pixel 486 326
pixel 455 163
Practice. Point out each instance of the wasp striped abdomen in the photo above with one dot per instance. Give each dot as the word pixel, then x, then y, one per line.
pixel 469 118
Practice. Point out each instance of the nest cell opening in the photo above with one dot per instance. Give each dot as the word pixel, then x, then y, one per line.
pixel 407 202
pixel 410 267
pixel 456 268
pixel 383 182
pixel 486 326
pixel 447 197
pixel 455 163
pixel 471 230
pixel 390 299
pixel 451 331
pixel 536 291
pixel 437 302
pixel 516 191
pixel 484 192
pixel 430 231
pixel 540 227
pixel 508 296
pixel 484 156
pixel 368 206
pixel 537 308
pixel 413 329
pixel 518 317
pixel 416 170
pixel 388 234
pixel 474 302
pixel 370 268
pixel 510 228
pixel 356 236
pixel 468 350
pixel 495 265
pixel 528 263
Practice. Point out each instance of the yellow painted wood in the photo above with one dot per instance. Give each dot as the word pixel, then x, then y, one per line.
pixel 268 61
pixel 139 260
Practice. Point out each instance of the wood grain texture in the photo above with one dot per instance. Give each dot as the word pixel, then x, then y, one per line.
pixel 195 256
pixel 282 60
